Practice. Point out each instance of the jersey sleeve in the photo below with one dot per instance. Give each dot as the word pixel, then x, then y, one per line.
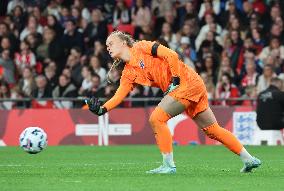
pixel 158 50
pixel 126 85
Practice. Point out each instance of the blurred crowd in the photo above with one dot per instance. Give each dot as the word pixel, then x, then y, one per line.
pixel 56 48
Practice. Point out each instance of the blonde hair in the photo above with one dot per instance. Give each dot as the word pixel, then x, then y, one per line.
pixel 124 37
pixel 129 42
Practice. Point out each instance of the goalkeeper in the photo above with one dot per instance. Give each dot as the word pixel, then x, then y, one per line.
pixel 151 64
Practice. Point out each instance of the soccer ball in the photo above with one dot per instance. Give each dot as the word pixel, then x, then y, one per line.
pixel 33 140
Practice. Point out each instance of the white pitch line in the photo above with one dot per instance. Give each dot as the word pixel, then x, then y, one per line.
pixel 14 165
pixel 72 181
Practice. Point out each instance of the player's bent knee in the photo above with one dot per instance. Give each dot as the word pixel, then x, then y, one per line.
pixel 158 116
pixel 152 119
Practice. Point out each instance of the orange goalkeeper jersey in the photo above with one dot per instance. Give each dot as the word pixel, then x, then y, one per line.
pixel 145 69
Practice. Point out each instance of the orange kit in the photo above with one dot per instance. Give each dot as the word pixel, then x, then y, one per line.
pixel 145 69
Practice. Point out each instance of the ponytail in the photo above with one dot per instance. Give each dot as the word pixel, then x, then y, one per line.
pixel 115 65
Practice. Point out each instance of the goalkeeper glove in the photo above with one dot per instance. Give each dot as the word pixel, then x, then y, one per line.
pixel 95 106
pixel 174 84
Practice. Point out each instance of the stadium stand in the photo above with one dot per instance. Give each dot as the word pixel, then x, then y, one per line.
pixel 228 42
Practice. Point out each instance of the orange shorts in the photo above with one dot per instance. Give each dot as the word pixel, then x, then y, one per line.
pixel 192 107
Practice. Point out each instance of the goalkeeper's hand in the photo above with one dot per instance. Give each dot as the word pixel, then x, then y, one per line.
pixel 175 83
pixel 95 106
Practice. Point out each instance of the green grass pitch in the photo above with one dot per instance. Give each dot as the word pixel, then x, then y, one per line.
pixel 123 168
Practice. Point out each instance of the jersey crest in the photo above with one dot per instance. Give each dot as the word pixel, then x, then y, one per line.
pixel 141 64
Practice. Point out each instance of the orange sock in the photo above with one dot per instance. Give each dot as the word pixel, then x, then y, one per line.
pixel 224 136
pixel 158 121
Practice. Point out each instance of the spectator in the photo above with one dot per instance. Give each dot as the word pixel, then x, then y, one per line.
pixel 64 89
pixel 36 12
pixel 121 14
pixel 17 20
pixel 258 39
pixel 204 51
pixel 6 45
pixel 210 87
pixel 247 12
pixel 140 14
pixel 85 13
pixel 25 58
pixel 33 41
pixel 231 9
pixel 188 31
pixel 9 68
pixel 50 49
pixel 250 56
pixel 27 83
pixel 169 36
pixel 65 16
pixel 210 25
pixel 87 79
pixel 100 51
pixel 33 27
pixel 225 67
pixel 109 91
pixel 75 14
pixel 275 12
pixel 170 18
pixel 209 66
pixel 144 33
pixel 275 49
pixel 270 106
pixel 106 6
pixel 265 78
pixel 5 94
pixel 225 89
pixel 12 41
pixel 160 7
pixel 209 7
pixel 250 78
pixel 234 23
pixel 15 3
pixel 248 95
pixel 274 62
pixel 50 74
pixel 53 23
pixel 186 12
pixel 98 69
pixel 254 23
pixel 236 51
pixel 96 89
pixel 42 89
pixel 74 65
pixel 53 8
pixel 96 29
pixel 185 52
pixel 72 37
pixel 277 31
pixel 213 41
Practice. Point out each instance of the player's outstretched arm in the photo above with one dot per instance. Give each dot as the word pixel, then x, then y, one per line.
pixel 122 91
pixel 95 106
